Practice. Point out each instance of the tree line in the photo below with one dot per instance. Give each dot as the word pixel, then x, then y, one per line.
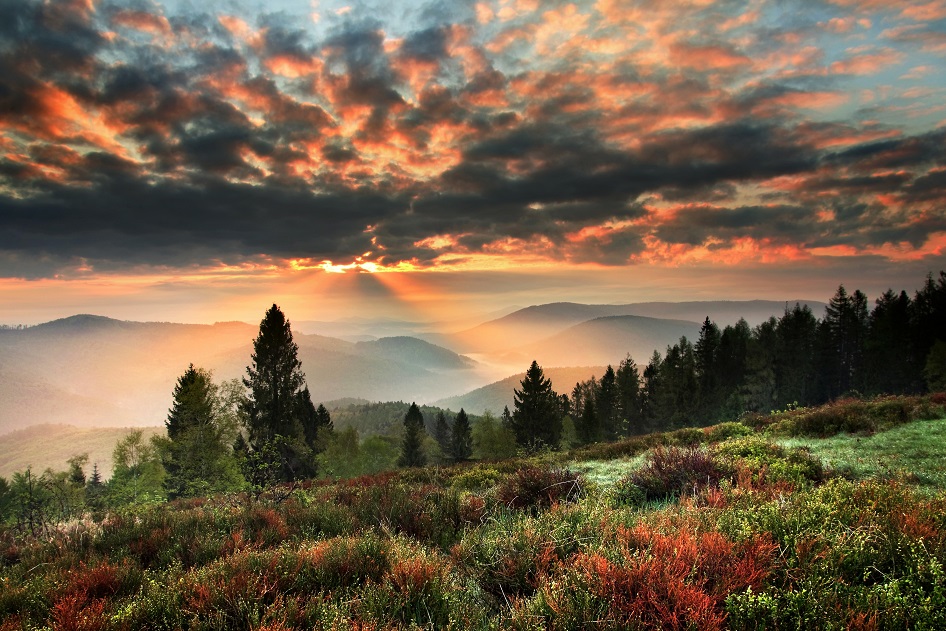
pixel 897 347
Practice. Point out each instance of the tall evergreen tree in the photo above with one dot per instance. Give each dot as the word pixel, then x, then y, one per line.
pixel 412 449
pixel 272 411
pixel 928 321
pixel 706 354
pixel 537 419
pixel 442 432
pixel 795 367
pixel 606 405
pixel 193 403
pixel 844 330
pixel 274 379
pixel 888 349
pixel 629 397
pixel 196 457
pixel 760 388
pixel 588 426
pixel 461 438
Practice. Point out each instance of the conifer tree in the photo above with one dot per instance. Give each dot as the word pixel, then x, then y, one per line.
pixel 461 438
pixel 442 433
pixel 537 419
pixel 272 411
pixel 412 449
pixel 274 379
pixel 196 455
pixel 629 397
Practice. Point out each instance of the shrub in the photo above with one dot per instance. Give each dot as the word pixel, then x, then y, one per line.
pixel 652 581
pixel 772 463
pixel 669 472
pixel 724 431
pixel 539 487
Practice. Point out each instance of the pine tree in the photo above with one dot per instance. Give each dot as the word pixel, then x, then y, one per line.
pixel 272 411
pixel 314 420
pixel 606 405
pixel 196 457
pixel 442 432
pixel 412 449
pixel 274 378
pixel 629 397
pixel 588 426
pixel 461 438
pixel 706 353
pixel 537 420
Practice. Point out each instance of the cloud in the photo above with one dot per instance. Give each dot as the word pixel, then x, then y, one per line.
pixel 574 133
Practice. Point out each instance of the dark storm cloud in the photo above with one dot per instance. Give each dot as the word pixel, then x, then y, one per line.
pixel 131 136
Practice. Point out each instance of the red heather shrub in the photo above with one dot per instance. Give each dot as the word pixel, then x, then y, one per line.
pixel 472 509
pixel 676 581
pixel 75 613
pixel 670 472
pixel 264 526
pixel 538 487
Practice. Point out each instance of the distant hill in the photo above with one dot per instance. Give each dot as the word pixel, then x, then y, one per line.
pixel 543 321
pixel 50 446
pixel 498 395
pixel 416 352
pixel 95 371
pixel 609 340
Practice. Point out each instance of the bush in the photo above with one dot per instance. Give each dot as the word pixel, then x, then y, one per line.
pixel 767 461
pixel 538 487
pixel 725 431
pixel 670 472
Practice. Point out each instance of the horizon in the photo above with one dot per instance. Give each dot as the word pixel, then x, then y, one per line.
pixel 438 162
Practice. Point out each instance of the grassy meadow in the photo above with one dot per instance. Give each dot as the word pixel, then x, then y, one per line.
pixel 831 518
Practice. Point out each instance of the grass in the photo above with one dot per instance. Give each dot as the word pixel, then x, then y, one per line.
pixel 915 451
pixel 748 531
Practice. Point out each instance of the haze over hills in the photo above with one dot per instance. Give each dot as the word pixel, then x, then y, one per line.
pixel 96 371
pixel 608 340
pixel 495 396
pixel 535 323
pixel 90 370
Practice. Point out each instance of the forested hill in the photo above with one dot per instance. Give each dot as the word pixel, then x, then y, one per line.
pixel 535 323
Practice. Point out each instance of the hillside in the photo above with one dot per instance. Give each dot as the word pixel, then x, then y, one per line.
pixel 50 446
pixel 495 396
pixel 95 371
pixel 736 526
pixel 608 340
pixel 538 322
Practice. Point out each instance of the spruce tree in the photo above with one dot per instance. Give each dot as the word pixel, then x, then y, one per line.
pixel 442 433
pixel 461 438
pixel 275 379
pixel 196 456
pixel 412 449
pixel 272 411
pixel 536 420
pixel 629 397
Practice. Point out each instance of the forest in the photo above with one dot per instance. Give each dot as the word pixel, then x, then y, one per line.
pixel 729 484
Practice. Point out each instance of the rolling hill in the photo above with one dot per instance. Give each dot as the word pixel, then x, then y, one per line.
pixel 539 322
pixel 495 396
pixel 95 371
pixel 608 340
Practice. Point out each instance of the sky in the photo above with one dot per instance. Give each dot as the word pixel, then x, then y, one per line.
pixel 197 161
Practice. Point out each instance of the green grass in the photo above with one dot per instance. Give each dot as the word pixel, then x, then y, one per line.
pixel 771 543
pixel 915 452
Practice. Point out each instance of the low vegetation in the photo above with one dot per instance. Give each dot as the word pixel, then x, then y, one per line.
pixel 797 519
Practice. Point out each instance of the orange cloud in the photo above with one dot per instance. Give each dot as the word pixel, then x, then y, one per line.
pixel 865 63
pixel 935 10
pixel 156 25
pixel 293 67
pixel 707 57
